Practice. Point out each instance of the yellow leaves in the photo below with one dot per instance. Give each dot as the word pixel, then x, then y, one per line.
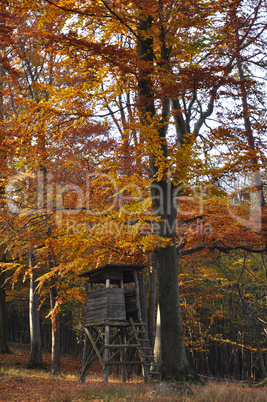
pixel 186 161
pixel 28 4
pixel 46 277
pixel 155 145
pixel 219 338
pixel 53 313
pixel 15 269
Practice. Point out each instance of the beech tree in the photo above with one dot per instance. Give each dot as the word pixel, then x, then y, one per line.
pixel 174 363
pixel 7 24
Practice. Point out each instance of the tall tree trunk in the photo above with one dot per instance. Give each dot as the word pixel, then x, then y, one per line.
pixel 173 354
pixel 254 161
pixel 55 331
pixel 3 163
pixel 174 360
pixel 54 317
pixel 248 127
pixel 257 182
pixel 157 343
pixel 35 332
pixel 3 319
pixel 152 301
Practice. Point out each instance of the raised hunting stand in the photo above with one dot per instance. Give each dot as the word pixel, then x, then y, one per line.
pixel 115 321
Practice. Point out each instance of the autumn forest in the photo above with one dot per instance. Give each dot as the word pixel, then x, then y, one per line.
pixel 134 132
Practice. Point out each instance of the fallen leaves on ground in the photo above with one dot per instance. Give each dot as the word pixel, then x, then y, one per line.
pixel 19 384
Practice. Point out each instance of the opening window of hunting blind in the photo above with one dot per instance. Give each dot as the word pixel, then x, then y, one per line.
pixel 130 301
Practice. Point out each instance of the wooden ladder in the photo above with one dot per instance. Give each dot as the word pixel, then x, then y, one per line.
pixel 145 351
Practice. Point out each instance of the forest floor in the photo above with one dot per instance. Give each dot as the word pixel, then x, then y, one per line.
pixel 19 384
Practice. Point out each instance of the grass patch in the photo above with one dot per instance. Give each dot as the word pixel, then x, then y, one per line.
pixel 115 392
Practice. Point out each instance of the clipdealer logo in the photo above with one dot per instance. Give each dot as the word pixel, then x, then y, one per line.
pixel 38 193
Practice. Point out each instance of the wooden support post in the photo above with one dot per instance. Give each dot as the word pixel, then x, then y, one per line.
pixel 91 359
pixel 85 357
pixel 137 297
pixel 123 355
pixel 106 352
pixel 142 296
pixel 94 346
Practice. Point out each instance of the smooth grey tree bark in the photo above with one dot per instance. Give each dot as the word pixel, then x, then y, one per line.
pixel 35 360
pixel 55 349
pixel 55 333
pixel 3 318
pixel 152 301
pixel 157 344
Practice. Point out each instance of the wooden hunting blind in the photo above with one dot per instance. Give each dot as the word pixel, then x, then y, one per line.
pixel 115 320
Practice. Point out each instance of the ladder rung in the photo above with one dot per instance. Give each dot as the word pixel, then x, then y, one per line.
pixel 118 346
pixel 142 340
pixel 122 363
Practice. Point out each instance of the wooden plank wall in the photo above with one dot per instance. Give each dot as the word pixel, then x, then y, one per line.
pixel 96 305
pixel 116 304
pixel 105 304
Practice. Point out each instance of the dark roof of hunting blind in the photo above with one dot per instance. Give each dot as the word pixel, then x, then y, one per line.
pixel 114 272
